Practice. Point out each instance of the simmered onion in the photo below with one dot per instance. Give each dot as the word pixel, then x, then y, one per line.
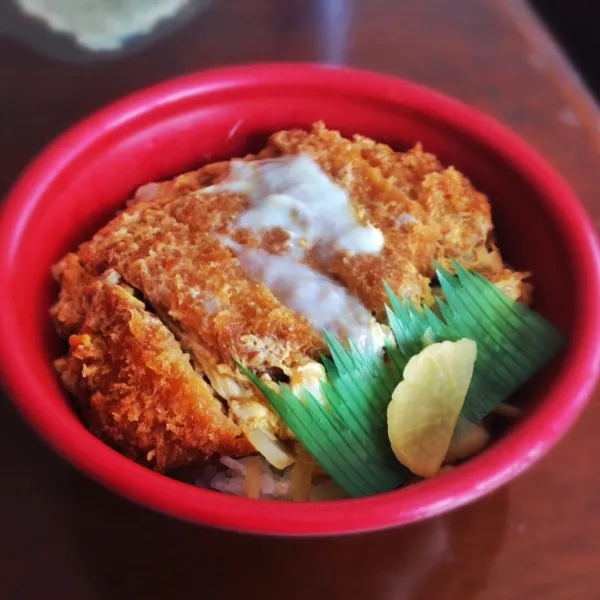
pixel 252 478
pixel 271 449
pixel 468 439
pixel 301 478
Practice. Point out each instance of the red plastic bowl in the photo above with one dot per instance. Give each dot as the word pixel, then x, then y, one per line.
pixel 86 175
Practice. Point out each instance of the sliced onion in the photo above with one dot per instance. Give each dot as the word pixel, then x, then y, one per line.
pixel 468 439
pixel 252 478
pixel 271 449
pixel 301 478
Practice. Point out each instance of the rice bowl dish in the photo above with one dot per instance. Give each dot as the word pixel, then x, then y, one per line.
pixel 210 292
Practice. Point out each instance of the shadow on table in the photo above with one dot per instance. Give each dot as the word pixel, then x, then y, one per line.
pixel 130 552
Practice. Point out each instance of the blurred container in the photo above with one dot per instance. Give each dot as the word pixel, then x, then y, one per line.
pixel 88 30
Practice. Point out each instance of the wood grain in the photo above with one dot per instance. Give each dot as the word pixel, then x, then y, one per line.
pixel 539 538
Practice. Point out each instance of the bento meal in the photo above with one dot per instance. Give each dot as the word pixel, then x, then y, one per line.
pixel 328 318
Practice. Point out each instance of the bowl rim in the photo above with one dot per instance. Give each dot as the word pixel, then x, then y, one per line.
pixel 523 445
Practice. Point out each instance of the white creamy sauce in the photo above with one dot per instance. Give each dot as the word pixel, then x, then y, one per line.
pixel 293 193
pixel 325 303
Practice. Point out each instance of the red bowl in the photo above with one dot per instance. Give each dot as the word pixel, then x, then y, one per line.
pixel 86 175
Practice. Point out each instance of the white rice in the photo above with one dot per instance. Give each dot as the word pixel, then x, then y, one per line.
pixel 275 484
pixel 228 477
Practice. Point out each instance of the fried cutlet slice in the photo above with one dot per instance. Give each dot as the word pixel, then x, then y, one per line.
pixel 136 388
pixel 189 275
pixel 424 210
pixel 70 309
pixel 376 198
pixel 197 287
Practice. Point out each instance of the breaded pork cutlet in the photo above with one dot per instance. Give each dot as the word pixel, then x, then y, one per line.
pixel 137 389
pixel 158 304
pixel 424 210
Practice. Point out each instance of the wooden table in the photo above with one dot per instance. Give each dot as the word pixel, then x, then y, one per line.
pixel 63 536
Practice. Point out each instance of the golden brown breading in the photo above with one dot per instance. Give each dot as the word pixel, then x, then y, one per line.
pixel 69 311
pixel 375 197
pixel 136 388
pixel 166 245
pixel 425 212
pixel 197 281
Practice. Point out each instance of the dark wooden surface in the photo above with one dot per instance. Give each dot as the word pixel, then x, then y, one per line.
pixel 539 538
